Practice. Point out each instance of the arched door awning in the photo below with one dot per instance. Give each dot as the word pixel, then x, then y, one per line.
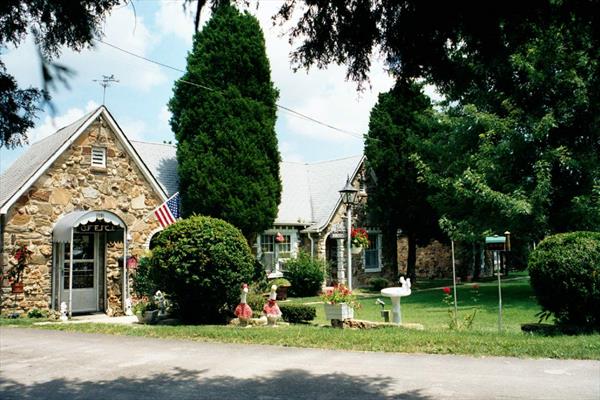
pixel 63 233
pixel 62 230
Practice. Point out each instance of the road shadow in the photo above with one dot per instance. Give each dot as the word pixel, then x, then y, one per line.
pixel 195 384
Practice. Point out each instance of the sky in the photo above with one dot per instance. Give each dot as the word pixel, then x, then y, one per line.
pixel 163 31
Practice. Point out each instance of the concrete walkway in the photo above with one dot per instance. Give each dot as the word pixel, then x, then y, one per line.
pixel 40 364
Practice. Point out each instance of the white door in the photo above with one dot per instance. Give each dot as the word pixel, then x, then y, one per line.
pixel 85 272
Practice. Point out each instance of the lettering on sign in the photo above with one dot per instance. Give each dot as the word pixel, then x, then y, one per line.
pixel 338 231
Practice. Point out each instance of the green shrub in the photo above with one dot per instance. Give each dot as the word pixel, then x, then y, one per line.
pixel 36 313
pixel 378 283
pixel 256 300
pixel 280 282
pixel 565 276
pixel 202 262
pixel 143 284
pixel 305 275
pixel 297 313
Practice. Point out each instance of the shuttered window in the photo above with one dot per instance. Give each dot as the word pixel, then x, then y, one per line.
pixel 99 157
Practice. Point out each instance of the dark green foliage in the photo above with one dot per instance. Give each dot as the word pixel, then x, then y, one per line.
pixel 305 275
pixel 565 276
pixel 297 313
pixel 520 144
pixel 228 160
pixel 143 283
pixel 397 197
pixel 36 313
pixel 54 24
pixel 378 283
pixel 256 300
pixel 201 262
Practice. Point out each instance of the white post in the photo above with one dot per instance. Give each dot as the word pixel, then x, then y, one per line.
pixel 454 282
pixel 71 276
pixel 497 258
pixel 340 262
pixel 349 245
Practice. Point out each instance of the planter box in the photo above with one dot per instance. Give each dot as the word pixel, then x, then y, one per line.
pixel 338 311
pixel 148 317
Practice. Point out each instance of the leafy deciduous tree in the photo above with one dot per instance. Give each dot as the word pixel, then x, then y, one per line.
pixel 402 117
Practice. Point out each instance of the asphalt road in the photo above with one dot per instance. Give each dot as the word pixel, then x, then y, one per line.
pixel 40 364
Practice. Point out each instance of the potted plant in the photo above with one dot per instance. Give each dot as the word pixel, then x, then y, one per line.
pixel 360 239
pixel 15 275
pixel 339 302
pixel 146 311
pixel 282 287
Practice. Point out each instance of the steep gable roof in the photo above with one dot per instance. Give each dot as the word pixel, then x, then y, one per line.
pixel 18 174
pixel 23 173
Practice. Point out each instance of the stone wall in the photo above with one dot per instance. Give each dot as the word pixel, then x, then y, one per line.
pixel 433 260
pixel 71 184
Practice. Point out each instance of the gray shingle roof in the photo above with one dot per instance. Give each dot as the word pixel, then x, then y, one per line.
pixel 13 179
pixel 161 160
pixel 311 191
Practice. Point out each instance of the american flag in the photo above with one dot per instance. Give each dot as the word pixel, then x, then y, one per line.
pixel 168 212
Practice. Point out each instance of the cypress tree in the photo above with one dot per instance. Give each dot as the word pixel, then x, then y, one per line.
pixel 224 122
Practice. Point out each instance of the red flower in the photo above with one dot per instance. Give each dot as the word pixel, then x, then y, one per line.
pixel 446 290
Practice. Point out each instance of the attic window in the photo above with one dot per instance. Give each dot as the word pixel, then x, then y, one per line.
pixel 99 157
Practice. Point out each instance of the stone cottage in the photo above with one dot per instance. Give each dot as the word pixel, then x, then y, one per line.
pixel 82 200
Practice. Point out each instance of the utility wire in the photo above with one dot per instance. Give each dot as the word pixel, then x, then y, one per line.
pixel 289 110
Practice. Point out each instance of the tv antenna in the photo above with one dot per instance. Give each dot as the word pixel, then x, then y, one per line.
pixel 105 82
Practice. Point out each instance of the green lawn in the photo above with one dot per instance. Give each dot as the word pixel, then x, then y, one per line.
pixel 426 307
pixel 423 306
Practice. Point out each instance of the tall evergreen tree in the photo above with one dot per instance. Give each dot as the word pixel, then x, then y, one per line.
pixel 224 112
pixel 397 200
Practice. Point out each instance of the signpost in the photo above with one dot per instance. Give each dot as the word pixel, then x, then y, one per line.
pixel 497 244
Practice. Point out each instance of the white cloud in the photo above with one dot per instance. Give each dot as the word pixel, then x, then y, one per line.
pixel 172 19
pixel 289 152
pixel 133 128
pixel 164 116
pixel 121 29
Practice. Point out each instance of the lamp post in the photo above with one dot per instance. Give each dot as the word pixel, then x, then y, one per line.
pixel 348 194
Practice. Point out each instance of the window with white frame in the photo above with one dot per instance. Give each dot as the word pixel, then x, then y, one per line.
pixel 99 157
pixel 372 259
pixel 267 244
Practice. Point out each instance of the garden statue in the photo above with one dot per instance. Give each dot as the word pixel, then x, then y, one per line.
pixel 271 309
pixel 161 303
pixel 63 311
pixel 243 310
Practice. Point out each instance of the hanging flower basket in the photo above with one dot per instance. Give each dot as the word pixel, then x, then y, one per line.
pixel 356 249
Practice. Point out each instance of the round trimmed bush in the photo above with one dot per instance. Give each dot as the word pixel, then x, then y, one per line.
pixel 201 263
pixel 565 276
pixel 305 275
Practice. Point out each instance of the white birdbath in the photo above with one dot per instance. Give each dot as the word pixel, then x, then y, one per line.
pixel 395 293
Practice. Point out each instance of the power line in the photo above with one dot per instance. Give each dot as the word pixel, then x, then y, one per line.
pixel 289 110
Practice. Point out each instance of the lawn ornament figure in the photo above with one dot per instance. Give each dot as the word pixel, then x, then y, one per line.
pixel 271 309
pixel 243 310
